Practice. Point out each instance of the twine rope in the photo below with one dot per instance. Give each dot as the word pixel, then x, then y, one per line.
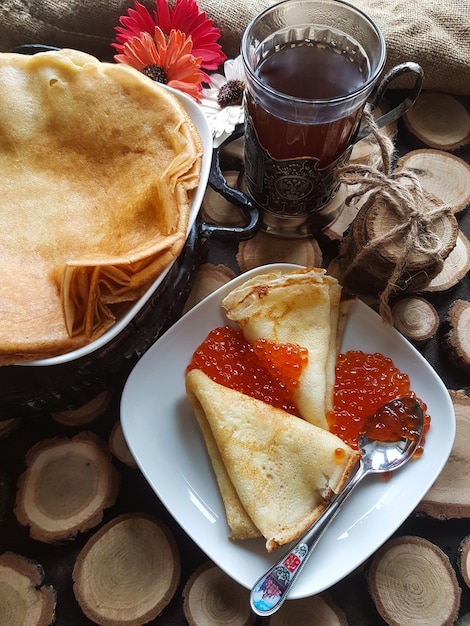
pixel 403 193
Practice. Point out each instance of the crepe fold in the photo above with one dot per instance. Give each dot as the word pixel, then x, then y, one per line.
pixel 98 165
pixel 303 307
pixel 275 471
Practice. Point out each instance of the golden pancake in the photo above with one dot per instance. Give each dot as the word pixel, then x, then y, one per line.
pixel 302 307
pixel 98 165
pixel 283 469
pixel 240 523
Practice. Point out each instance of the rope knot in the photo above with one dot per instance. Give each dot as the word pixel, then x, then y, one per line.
pixel 414 211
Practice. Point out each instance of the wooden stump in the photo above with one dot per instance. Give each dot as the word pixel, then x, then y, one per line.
pixel 208 278
pixel 5 490
pixel 217 210
pixel 65 488
pixel 443 175
pixel 128 572
pixel 463 559
pixel 456 266
pixel 415 318
pixel 119 448
pixel 319 610
pixel 263 249
pixel 456 340
pixel 211 598
pixel 85 413
pixel 439 120
pixel 8 426
pixel 368 255
pixel 449 497
pixel 24 598
pixel 413 583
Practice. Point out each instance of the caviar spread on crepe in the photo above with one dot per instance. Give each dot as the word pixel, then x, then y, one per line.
pixel 98 165
pixel 276 472
pixel 273 468
pixel 303 307
pixel 276 469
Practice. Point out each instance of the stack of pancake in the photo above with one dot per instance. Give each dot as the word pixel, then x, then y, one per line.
pixel 277 472
pixel 98 164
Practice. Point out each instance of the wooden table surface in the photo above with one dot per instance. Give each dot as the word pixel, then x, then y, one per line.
pixel 135 495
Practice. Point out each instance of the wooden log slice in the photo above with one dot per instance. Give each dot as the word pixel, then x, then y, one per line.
pixel 368 255
pixel 319 610
pixel 439 120
pixel 8 426
pixel 65 488
pixel 5 492
pixel 263 249
pixel 217 210
pixel 209 277
pixel 232 153
pixel 415 318
pixel 441 174
pixel 463 559
pixel 127 572
pixel 24 598
pixel 456 338
pixel 456 267
pixel 119 448
pixel 211 598
pixel 85 413
pixel 412 583
pixel 449 496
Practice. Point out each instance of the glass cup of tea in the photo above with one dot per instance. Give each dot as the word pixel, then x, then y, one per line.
pixel 311 66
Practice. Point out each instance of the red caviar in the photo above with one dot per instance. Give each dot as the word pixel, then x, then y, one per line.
pixel 364 383
pixel 264 370
pixel 394 421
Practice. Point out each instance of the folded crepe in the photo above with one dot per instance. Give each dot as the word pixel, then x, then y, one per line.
pixel 97 164
pixel 276 472
pixel 302 307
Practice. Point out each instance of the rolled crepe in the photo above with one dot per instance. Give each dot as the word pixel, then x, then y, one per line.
pixel 303 307
pixel 276 472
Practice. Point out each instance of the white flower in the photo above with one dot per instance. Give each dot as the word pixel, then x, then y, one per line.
pixel 222 115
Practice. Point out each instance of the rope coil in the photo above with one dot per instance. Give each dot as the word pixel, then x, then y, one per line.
pixel 403 193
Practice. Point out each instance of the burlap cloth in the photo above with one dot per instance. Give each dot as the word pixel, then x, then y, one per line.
pixel 434 33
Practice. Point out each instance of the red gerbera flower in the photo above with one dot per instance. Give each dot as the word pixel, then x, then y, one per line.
pixel 170 62
pixel 185 17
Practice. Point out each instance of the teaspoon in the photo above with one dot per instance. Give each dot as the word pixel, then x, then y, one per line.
pixel 379 454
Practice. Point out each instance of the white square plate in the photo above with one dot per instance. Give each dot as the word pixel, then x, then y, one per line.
pixel 164 438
